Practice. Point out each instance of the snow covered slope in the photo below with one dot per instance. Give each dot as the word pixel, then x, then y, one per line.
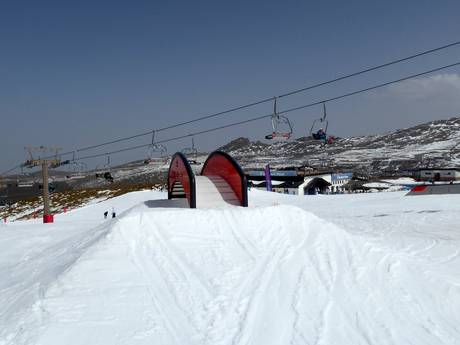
pixel 353 269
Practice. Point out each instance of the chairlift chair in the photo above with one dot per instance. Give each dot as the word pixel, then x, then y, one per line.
pixel 79 168
pixel 319 124
pixel 191 153
pixel 153 149
pixel 105 171
pixel 318 130
pixel 106 166
pixel 281 126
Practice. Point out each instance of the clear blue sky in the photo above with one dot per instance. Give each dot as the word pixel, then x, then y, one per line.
pixel 74 73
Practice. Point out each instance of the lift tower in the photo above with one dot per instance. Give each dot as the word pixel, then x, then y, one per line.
pixel 37 157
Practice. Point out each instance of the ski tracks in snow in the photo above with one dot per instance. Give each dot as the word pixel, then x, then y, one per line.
pixel 268 275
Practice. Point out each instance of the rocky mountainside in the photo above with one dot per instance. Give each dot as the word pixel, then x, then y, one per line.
pixel 435 144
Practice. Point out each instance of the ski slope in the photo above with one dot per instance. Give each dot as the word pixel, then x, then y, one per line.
pixel 346 269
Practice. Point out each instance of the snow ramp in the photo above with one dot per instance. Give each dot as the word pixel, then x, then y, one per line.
pixel 268 275
pixel 222 182
pixel 435 189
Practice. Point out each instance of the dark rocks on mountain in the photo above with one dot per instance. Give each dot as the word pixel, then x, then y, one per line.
pixel 435 143
pixel 241 143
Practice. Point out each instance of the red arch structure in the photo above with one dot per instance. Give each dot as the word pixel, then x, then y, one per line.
pixel 181 179
pixel 224 166
pixel 221 183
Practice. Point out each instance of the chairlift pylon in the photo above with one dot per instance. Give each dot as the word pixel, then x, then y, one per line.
pixel 281 126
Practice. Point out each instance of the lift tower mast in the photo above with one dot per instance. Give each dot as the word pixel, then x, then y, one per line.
pixel 36 159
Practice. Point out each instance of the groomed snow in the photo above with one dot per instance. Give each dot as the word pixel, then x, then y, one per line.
pixel 340 269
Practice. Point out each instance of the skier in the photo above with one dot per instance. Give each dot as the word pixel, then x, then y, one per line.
pixel 113 213
pixel 106 213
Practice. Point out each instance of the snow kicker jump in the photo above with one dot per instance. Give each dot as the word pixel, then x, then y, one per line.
pixel 435 189
pixel 221 182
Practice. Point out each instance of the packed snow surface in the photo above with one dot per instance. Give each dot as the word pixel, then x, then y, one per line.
pixel 345 269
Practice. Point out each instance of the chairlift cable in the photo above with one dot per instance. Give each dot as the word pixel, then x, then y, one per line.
pixel 340 78
pixel 270 115
pixel 254 118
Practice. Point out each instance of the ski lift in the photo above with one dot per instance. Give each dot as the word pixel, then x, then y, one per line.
pixel 191 153
pixel 104 167
pixel 281 126
pixel 106 174
pixel 318 130
pixel 79 168
pixel 76 169
pixel 155 148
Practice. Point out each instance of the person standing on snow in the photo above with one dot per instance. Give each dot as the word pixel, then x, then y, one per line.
pixel 113 213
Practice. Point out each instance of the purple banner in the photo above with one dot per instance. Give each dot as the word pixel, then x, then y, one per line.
pixel 268 178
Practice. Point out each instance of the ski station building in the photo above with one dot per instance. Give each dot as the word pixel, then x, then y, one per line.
pixel 437 175
pixel 325 183
pixel 295 182
pixel 283 181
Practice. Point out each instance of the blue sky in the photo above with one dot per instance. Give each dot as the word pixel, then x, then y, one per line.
pixel 78 73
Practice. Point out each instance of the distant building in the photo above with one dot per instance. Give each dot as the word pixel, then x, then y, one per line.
pixel 324 183
pixel 437 175
pixel 295 182
pixel 283 181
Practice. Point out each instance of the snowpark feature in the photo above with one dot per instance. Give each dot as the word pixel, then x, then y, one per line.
pixel 222 182
pixel 382 269
pixel 429 189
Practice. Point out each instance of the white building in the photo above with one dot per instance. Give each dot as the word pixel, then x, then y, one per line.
pixel 434 175
pixel 324 183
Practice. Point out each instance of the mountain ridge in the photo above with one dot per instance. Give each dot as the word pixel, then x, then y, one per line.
pixel 432 144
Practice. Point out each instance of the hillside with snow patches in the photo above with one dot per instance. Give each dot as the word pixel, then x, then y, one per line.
pixel 340 269
pixel 435 143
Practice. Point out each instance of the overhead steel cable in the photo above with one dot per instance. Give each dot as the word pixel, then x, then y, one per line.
pixel 260 117
pixel 10 170
pixel 175 138
pixel 113 141
pixel 371 88
pixel 370 69
pixel 269 99
pixel 265 100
